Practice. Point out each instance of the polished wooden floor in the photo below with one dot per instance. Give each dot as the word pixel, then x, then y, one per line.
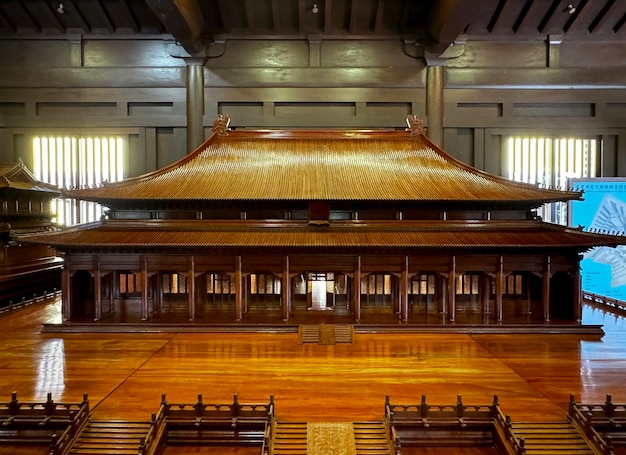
pixel 125 374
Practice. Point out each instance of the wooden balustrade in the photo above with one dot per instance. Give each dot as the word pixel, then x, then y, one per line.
pixel 232 423
pixel 426 424
pixel 603 424
pixel 46 423
pixel 504 433
pixel 153 442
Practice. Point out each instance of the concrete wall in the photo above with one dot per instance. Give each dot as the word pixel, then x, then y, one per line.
pixel 136 88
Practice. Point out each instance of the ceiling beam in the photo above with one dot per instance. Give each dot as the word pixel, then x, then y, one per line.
pixel 183 19
pixel 448 19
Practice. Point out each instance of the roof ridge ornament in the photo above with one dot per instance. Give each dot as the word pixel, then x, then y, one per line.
pixel 220 125
pixel 416 125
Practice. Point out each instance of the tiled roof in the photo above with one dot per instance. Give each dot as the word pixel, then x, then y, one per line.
pixel 320 165
pixel 18 176
pixel 349 234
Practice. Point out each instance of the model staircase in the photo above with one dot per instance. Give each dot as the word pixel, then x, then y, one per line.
pixel 554 438
pixel 308 334
pixel 343 333
pixel 109 438
pixel 325 333
pixel 371 438
pixel 290 438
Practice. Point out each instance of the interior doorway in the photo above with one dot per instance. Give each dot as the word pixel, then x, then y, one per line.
pixel 317 287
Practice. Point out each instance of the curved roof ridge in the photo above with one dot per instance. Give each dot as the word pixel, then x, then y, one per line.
pixel 334 165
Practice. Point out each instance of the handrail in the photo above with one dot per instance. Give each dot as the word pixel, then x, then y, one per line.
pixel 602 300
pixel 27 302
pixel 424 412
pixel 151 443
pixel 392 436
pixel 504 423
pixel 582 417
pixel 61 445
pixel 268 436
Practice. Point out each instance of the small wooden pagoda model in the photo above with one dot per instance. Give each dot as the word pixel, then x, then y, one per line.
pixel 275 227
pixel 25 269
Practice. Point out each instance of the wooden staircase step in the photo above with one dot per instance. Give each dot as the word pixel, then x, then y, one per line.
pixel 370 438
pixel 551 438
pixel 343 333
pixel 290 438
pixel 110 438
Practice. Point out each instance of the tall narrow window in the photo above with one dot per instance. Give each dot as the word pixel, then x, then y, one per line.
pixel 77 162
pixel 551 162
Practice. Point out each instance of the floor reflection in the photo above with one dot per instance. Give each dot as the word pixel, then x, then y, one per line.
pixel 51 369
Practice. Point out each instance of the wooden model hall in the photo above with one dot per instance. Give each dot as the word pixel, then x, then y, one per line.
pixel 367 227
pixel 25 270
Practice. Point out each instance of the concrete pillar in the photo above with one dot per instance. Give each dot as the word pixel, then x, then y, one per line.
pixel 434 104
pixel 195 103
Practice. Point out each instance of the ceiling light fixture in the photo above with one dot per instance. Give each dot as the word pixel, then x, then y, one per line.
pixel 571 9
pixel 315 9
pixel 61 8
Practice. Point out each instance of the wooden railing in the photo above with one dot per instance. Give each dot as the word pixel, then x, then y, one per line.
pixel 602 424
pixel 427 415
pixel 268 436
pixel 24 302
pixel 508 441
pixel 153 442
pixel 38 419
pixel 395 448
pixel 460 424
pixel 609 303
pixel 234 422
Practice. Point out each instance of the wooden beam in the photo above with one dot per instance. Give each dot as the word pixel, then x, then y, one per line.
pixel 183 19
pixel 610 17
pixel 447 20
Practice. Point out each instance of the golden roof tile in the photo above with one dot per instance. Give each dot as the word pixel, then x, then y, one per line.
pixel 320 165
pixel 353 234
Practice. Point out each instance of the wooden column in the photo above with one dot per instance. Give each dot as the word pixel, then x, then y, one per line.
pixel 485 292
pixel 434 104
pixel 112 288
pixel 452 288
pixel 286 289
pixel 191 287
pixel 404 290
pixel 442 292
pixel 144 288
pixel 195 102
pixel 356 289
pixel 239 289
pixel 158 295
pixel 578 298
pixel 545 294
pixel 499 288
pixel 66 291
pixel 97 292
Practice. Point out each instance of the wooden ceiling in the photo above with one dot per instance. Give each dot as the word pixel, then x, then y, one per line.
pixel 437 22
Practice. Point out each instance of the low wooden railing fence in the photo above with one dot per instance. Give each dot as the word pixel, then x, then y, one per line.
pixel 603 424
pixel 47 422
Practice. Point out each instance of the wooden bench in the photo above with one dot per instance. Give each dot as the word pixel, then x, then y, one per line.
pixel 216 424
pixel 426 424
pixel 49 423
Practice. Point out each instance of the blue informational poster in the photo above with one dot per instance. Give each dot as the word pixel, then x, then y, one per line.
pixel 603 210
